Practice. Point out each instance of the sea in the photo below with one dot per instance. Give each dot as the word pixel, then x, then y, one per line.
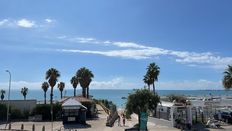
pixel 116 96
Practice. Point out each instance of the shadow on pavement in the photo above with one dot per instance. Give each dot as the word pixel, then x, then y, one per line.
pixel 76 126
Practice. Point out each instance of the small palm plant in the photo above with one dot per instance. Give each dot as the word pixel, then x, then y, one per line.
pixel 24 92
pixel 2 94
pixel 61 86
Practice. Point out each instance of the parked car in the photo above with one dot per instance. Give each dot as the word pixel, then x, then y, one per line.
pixel 225 116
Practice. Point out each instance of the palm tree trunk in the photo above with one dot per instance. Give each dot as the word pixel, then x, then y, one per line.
pixel 87 92
pixel 25 97
pixel 84 92
pixel 44 97
pixel 139 119
pixel 51 96
pixel 61 94
pixel 148 87
pixel 74 91
pixel 153 84
pixel 51 104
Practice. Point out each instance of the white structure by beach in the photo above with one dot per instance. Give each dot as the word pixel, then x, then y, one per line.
pixel 174 112
pixel 200 109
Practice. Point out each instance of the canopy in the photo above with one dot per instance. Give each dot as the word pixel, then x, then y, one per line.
pixel 72 103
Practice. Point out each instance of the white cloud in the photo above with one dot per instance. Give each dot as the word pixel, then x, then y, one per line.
pixel 129 45
pixel 115 83
pixel 131 54
pixel 20 84
pixel 26 23
pixel 189 85
pixel 4 21
pixel 137 51
pixel 48 20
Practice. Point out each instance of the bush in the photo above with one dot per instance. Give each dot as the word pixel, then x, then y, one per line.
pixel 44 110
pixel 15 114
pixel 177 98
pixel 3 110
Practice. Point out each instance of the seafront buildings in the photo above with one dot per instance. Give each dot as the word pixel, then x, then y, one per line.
pixel 199 109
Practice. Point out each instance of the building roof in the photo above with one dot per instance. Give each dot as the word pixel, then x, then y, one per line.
pixel 166 104
pixel 81 99
pixel 72 103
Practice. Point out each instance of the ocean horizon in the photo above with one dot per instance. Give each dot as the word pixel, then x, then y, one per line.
pixel 114 95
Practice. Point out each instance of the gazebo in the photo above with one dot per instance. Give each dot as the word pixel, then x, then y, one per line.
pixel 73 112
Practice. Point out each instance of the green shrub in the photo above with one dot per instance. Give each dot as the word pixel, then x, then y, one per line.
pixel 44 110
pixel 15 114
pixel 3 110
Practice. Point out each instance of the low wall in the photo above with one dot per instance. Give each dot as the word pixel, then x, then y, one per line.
pixel 23 105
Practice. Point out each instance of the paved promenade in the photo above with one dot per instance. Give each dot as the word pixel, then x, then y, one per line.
pixel 98 124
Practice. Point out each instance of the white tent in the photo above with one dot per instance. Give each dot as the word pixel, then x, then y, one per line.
pixel 72 103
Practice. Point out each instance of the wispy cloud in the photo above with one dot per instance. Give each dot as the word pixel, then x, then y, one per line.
pixel 19 84
pixel 123 83
pixel 24 23
pixel 115 83
pixel 186 84
pixel 131 50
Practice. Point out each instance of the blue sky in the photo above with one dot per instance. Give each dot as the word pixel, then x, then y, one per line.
pixel 189 40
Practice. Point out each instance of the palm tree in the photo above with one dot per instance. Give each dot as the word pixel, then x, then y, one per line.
pixel 24 92
pixel 45 87
pixel 227 79
pixel 52 76
pixel 84 76
pixel 61 86
pixel 147 80
pixel 74 82
pixel 153 71
pixel 2 94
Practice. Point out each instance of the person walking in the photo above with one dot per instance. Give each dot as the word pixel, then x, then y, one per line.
pixel 119 120
pixel 123 119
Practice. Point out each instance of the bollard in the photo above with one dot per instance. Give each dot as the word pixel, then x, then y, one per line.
pixel 33 127
pixel 43 129
pixel 22 127
pixel 9 126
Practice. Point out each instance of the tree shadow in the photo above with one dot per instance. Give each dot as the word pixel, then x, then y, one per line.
pixel 76 126
pixel 202 127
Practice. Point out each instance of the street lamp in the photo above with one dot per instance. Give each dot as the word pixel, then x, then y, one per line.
pixel 8 105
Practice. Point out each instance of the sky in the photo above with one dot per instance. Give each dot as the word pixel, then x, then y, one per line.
pixel 116 39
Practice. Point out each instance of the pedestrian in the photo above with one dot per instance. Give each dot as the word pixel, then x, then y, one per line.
pixel 119 120
pixel 219 116
pixel 123 119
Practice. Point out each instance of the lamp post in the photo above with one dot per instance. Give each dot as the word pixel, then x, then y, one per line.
pixel 8 105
